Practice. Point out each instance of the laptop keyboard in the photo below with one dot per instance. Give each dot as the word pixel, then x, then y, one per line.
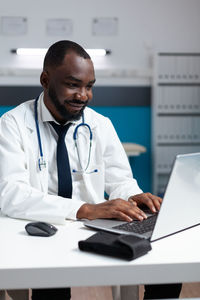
pixel 139 226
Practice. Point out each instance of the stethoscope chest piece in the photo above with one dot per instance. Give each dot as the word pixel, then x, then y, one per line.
pixel 42 163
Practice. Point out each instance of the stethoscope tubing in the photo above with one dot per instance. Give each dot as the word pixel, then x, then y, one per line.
pixel 42 162
pixel 37 126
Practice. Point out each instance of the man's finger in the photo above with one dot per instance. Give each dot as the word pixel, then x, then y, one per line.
pixel 148 202
pixel 132 202
pixel 136 213
pixel 156 201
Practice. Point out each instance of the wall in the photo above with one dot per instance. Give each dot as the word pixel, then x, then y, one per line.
pixel 145 26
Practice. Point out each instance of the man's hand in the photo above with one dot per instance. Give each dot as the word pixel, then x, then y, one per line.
pixel 152 201
pixel 117 209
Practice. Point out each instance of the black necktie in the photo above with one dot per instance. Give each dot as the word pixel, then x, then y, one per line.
pixel 64 172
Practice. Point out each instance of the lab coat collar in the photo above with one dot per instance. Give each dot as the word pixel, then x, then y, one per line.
pixel 30 113
pixel 89 117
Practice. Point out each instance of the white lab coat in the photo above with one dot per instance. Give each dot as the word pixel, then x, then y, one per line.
pixel 24 188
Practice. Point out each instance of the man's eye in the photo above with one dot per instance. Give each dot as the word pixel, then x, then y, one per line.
pixel 89 87
pixel 71 85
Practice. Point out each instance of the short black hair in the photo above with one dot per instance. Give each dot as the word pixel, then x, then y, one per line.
pixel 56 53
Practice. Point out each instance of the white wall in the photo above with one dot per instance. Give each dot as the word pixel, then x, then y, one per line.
pixel 145 26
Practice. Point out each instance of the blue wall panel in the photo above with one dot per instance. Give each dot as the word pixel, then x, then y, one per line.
pixel 133 124
pixel 4 109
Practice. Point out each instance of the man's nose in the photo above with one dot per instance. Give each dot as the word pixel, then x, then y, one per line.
pixel 82 94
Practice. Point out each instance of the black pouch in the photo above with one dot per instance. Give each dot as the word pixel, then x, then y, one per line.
pixel 123 246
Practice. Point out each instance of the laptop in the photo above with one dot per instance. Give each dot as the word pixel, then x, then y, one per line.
pixel 180 209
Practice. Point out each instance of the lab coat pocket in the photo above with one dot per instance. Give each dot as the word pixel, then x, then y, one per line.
pixel 89 185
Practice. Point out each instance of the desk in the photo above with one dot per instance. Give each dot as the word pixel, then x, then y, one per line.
pixel 34 262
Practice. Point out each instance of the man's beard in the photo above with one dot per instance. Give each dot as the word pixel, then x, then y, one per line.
pixel 62 110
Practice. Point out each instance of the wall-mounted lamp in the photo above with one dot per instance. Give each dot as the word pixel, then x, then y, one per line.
pixel 42 51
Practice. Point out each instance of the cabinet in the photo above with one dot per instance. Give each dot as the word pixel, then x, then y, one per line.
pixel 175 112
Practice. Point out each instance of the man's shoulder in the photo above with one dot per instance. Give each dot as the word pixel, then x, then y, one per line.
pixel 92 115
pixel 19 111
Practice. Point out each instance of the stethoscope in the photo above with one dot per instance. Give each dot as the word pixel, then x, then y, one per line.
pixel 41 161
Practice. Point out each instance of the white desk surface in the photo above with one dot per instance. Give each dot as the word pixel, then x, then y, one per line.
pixel 30 262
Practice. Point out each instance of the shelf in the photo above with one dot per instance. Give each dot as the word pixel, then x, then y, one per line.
pixel 175 111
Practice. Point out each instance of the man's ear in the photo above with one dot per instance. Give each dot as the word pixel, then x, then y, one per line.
pixel 44 79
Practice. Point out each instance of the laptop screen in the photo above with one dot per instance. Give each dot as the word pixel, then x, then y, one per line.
pixel 181 204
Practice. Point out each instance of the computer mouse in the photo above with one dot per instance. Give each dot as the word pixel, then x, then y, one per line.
pixel 40 229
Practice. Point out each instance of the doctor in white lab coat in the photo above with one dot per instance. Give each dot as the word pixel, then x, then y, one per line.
pixel 30 193
pixel 29 190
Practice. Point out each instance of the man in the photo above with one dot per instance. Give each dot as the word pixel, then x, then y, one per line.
pixel 31 133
